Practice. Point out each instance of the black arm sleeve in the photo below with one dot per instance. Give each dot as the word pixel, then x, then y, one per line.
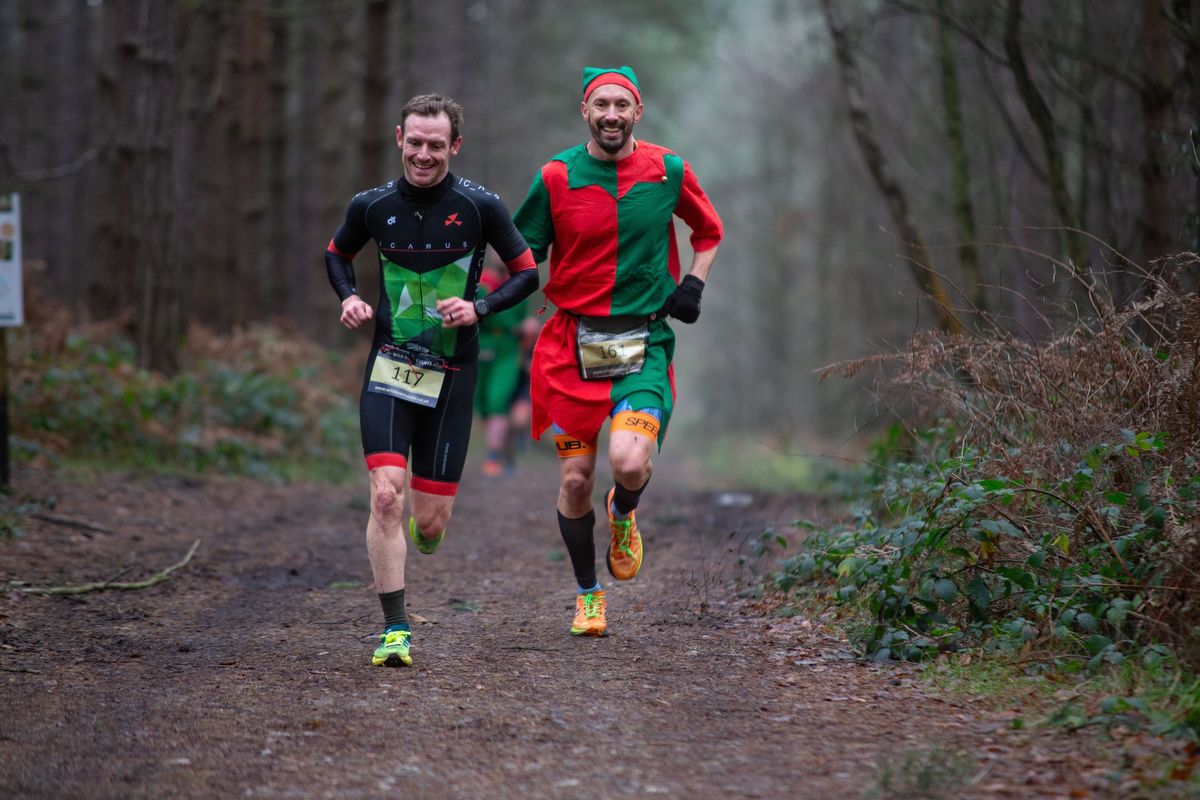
pixel 518 286
pixel 347 240
pixel 341 274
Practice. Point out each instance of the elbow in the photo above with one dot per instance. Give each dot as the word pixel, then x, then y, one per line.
pixel 530 280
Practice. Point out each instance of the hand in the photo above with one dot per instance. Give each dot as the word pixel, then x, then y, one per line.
pixel 457 312
pixel 684 303
pixel 356 311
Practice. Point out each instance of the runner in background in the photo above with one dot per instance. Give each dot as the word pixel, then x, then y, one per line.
pixel 521 410
pixel 498 391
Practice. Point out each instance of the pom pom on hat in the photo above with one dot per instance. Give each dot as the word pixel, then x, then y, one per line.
pixel 621 76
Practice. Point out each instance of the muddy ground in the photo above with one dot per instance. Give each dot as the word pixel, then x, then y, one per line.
pixel 246 673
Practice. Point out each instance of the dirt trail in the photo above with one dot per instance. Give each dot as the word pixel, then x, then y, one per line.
pixel 246 674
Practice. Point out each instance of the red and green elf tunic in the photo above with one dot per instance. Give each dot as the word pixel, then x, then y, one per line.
pixel 608 229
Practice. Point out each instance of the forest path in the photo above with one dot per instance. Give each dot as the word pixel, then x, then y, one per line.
pixel 247 674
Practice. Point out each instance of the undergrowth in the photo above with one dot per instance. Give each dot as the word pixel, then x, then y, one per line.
pixel 260 402
pixel 1042 505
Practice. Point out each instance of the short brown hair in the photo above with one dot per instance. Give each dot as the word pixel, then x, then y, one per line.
pixel 431 105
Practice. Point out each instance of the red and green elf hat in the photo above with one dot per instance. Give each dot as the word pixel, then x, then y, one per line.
pixel 621 76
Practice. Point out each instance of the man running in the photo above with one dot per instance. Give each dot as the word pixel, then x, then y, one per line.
pixel 431 229
pixel 603 210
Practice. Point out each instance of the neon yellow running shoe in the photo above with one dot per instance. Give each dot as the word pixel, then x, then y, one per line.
pixel 392 650
pixel 426 546
pixel 624 555
pixel 589 614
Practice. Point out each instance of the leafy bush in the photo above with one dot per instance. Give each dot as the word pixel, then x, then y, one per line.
pixel 257 403
pixel 955 551
pixel 1052 504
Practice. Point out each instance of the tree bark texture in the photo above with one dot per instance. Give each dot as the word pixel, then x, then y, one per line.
pixel 1191 49
pixel 203 102
pixel 1043 119
pixel 960 163
pixel 278 223
pixel 377 75
pixel 159 323
pixel 1158 115
pixel 249 156
pixel 109 190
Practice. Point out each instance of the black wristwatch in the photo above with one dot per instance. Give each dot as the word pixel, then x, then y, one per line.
pixel 482 309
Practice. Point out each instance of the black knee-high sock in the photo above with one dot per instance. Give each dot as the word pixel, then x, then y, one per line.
pixel 581 546
pixel 626 500
pixel 393 609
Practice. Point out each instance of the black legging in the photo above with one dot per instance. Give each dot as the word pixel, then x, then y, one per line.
pixel 437 437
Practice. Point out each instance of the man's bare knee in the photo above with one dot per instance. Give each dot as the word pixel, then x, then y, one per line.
pixel 630 465
pixel 576 485
pixel 387 504
pixel 431 522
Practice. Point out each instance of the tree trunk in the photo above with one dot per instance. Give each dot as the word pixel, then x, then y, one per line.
pixel 156 260
pixel 404 43
pixel 1158 116
pixel 307 238
pixel 1192 59
pixel 250 252
pixel 1043 120
pixel 964 210
pixel 337 156
pixel 203 188
pixel 217 186
pixel 1087 118
pixel 75 149
pixel 110 191
pixel 375 134
pixel 910 236
pixel 278 223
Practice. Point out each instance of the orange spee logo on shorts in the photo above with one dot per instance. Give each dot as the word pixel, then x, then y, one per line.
pixel 638 422
pixel 567 446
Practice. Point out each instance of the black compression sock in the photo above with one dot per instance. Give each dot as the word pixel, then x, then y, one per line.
pixel 581 546
pixel 393 609
pixel 626 500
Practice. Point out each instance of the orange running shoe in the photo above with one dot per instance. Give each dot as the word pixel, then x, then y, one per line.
pixel 492 468
pixel 589 614
pixel 625 548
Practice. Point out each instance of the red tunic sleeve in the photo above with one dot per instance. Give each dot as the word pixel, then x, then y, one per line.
pixel 695 209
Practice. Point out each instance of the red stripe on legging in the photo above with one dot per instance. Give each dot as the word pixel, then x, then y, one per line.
pixel 377 460
pixel 434 487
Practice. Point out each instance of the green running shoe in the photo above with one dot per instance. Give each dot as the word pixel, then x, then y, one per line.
pixel 426 546
pixel 392 650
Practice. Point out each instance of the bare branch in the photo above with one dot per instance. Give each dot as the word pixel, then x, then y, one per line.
pixel 101 586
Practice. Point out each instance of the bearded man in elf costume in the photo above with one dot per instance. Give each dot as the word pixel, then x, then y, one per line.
pixel 603 212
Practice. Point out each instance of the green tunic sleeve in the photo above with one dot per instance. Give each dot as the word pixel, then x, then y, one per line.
pixel 533 219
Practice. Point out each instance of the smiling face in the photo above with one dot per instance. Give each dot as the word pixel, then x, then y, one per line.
pixel 611 112
pixel 426 148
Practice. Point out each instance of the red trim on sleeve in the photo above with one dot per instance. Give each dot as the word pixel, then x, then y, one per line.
pixel 377 460
pixel 434 487
pixel 491 280
pixel 333 249
pixel 522 262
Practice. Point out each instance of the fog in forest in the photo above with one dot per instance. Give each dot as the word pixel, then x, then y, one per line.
pixel 882 167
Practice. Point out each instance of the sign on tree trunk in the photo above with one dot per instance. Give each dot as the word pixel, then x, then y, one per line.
pixel 12 309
